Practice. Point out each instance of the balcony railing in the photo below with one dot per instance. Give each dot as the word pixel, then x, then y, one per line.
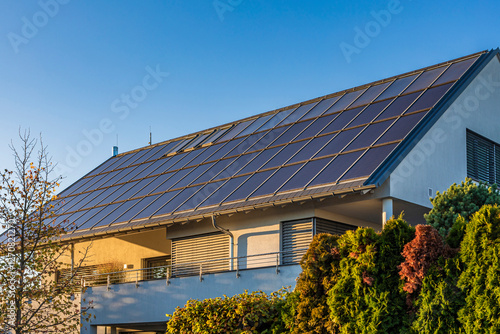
pixel 231 264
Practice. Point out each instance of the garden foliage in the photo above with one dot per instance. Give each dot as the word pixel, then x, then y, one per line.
pixel 402 280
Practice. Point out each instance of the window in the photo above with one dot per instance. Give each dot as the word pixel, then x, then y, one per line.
pixel 156 267
pixel 296 235
pixel 483 159
pixel 206 253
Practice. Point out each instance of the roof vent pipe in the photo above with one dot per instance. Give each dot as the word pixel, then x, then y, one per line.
pixel 231 240
pixel 115 151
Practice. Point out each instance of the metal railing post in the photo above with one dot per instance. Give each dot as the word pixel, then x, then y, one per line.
pixel 201 272
pixel 108 282
pixel 168 276
pixel 237 268
pixel 136 279
pixel 277 263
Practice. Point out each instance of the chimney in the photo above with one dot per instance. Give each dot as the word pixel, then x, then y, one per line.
pixel 115 151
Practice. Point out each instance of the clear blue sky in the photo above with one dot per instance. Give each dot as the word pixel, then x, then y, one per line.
pixel 73 66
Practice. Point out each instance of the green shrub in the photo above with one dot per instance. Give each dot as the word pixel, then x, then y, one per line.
pixel 464 200
pixel 367 295
pixel 320 266
pixel 254 312
pixel 480 279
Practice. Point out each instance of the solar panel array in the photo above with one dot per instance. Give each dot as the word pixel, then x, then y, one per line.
pixel 331 140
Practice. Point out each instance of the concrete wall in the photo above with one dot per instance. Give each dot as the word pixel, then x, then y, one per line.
pixel 126 304
pixel 439 160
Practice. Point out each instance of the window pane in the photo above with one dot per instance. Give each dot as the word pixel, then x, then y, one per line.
pixel 342 120
pixel 455 71
pixel 369 135
pixel 401 128
pixel 396 87
pixel 305 174
pixel 430 97
pixel 369 113
pixel 425 79
pixel 339 142
pixel 250 185
pixel 321 107
pixel 399 106
pixel 336 168
pixel 369 162
pixel 276 180
pixel 370 94
pixel 286 153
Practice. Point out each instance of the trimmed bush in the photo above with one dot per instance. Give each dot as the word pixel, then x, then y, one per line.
pixel 480 279
pixel 367 296
pixel 459 200
pixel 254 312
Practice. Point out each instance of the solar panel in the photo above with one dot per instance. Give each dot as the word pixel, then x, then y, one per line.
pixel 336 168
pixel 368 162
pixel 342 120
pixel 321 107
pixel 396 87
pixel 369 95
pixel 425 79
pixel 305 174
pixel 455 71
pixel 329 140
pixel 274 182
pixel 249 185
pixel 399 105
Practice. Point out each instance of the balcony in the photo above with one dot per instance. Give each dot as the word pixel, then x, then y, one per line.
pixel 143 296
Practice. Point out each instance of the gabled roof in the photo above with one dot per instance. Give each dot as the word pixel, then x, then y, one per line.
pixel 342 142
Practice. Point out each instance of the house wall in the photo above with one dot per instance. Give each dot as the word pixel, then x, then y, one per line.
pixel 125 249
pixel 439 159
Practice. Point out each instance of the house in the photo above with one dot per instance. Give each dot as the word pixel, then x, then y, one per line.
pixel 234 207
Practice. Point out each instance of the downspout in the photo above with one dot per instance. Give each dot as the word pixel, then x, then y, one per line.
pixel 231 238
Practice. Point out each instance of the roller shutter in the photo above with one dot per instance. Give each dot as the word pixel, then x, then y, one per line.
pixel 328 226
pixel 483 159
pixel 191 253
pixel 295 235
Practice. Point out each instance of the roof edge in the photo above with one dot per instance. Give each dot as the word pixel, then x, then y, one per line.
pixel 381 174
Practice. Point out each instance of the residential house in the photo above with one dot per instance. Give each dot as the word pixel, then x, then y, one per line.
pixel 234 207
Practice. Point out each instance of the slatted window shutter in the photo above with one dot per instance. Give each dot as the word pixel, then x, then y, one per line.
pixel 483 159
pixel 190 253
pixel 328 226
pixel 295 235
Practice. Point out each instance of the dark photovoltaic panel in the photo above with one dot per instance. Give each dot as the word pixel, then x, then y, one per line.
pixel 327 141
